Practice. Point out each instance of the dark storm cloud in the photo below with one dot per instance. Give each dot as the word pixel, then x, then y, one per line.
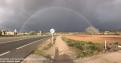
pixel 62 19
pixel 104 14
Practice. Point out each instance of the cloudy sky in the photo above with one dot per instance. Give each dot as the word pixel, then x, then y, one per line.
pixel 63 15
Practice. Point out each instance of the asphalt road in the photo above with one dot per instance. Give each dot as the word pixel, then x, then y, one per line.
pixel 12 39
pixel 15 52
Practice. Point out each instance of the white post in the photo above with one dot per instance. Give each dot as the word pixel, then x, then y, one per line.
pixel 40 33
pixel 105 44
pixel 52 39
pixel 52 31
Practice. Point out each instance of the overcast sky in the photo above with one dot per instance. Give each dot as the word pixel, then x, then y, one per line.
pixel 63 15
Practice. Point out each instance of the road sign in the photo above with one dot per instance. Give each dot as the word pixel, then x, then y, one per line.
pixel 15 30
pixel 52 31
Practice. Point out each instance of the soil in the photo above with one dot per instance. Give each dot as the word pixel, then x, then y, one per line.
pixel 63 54
pixel 113 57
pixel 96 38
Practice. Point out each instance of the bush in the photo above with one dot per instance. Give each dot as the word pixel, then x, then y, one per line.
pixel 32 33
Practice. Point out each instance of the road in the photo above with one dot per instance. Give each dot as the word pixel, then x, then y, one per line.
pixel 15 52
pixel 12 39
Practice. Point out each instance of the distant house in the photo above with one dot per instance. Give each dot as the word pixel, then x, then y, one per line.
pixel 10 33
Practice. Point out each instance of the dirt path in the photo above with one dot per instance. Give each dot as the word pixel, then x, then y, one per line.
pixel 62 52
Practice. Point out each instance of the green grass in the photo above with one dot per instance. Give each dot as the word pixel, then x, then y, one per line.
pixel 85 49
pixel 41 53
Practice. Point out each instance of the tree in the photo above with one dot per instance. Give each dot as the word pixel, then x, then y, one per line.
pixel 0 33
pixel 32 33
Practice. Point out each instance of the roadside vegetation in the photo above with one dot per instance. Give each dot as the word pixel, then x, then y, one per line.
pixel 42 50
pixel 84 49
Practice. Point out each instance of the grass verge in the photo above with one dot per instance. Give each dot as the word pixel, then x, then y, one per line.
pixel 84 49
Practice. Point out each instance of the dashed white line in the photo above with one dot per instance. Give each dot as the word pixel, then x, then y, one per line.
pixel 18 39
pixel 14 40
pixel 4 53
pixel 23 46
pixel 11 41
pixel 26 45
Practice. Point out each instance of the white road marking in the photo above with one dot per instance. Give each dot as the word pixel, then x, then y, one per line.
pixel 4 53
pixel 26 45
pixel 23 38
pixel 12 41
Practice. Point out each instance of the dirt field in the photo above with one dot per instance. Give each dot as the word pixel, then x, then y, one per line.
pixel 113 57
pixel 96 38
